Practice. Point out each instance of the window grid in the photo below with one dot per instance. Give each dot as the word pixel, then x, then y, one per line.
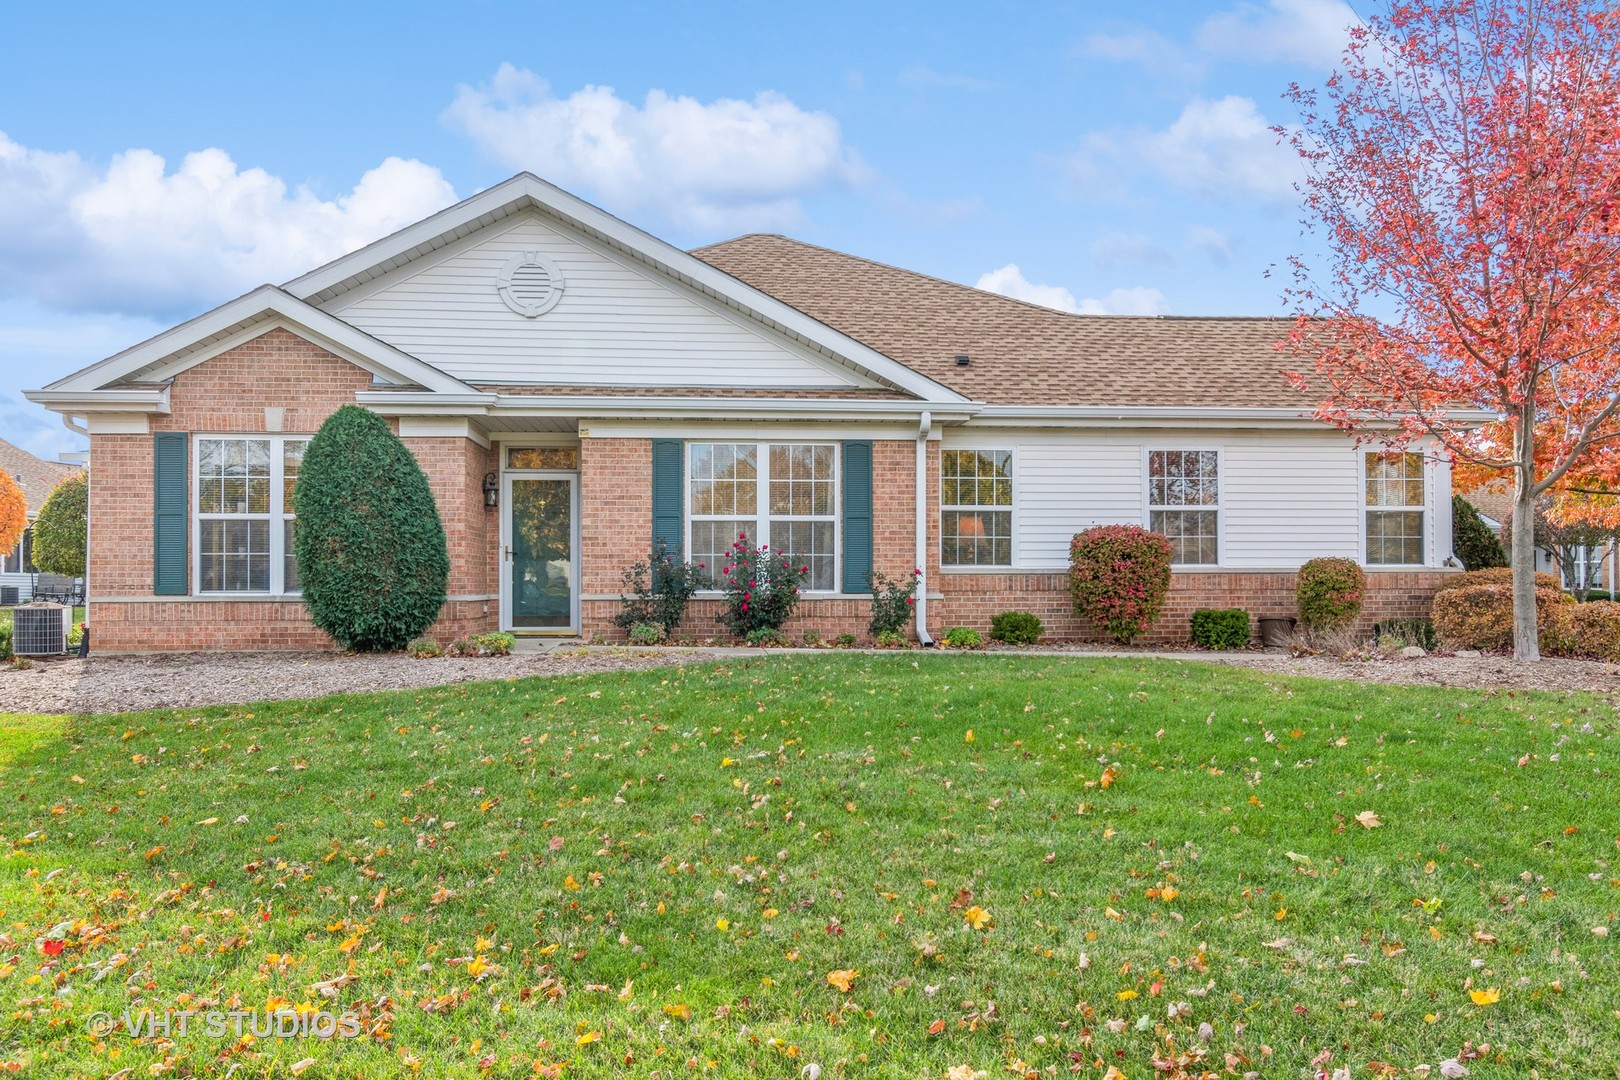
pixel 781 494
pixel 244 487
pixel 976 499
pixel 1184 502
pixel 1394 485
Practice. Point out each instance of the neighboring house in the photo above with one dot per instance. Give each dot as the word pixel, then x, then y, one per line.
pixel 37 478
pixel 1599 564
pixel 609 390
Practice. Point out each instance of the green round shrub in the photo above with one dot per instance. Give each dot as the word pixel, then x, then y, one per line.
pixel 1220 628
pixel 1016 627
pixel 1329 592
pixel 962 637
pixel 370 546
pixel 59 531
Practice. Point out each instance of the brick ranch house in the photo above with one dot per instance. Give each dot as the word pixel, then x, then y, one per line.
pixel 575 388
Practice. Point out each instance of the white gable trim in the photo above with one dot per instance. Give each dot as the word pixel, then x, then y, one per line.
pixel 525 190
pixel 240 320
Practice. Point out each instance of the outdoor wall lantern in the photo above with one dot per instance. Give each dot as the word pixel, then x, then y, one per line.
pixel 492 491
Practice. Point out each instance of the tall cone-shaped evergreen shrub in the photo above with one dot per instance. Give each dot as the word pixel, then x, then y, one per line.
pixel 371 549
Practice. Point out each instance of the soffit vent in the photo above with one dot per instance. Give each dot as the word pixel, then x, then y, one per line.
pixel 530 284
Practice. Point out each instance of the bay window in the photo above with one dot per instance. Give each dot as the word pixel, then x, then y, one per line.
pixel 975 507
pixel 1394 494
pixel 244 513
pixel 1184 503
pixel 784 495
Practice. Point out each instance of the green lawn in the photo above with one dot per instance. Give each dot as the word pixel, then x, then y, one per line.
pixel 658 871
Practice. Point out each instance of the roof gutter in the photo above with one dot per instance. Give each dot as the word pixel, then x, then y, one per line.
pixel 1178 416
pixel 633 407
pixel 146 399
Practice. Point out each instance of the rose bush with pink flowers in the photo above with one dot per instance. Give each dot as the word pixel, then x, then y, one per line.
pixel 762 587
pixel 893 603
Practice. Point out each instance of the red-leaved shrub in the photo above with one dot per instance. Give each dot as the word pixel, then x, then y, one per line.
pixel 1496 575
pixel 1119 576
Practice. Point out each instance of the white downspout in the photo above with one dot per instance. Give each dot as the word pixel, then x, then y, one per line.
pixel 923 427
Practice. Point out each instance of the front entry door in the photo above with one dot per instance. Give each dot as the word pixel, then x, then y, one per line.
pixel 540 553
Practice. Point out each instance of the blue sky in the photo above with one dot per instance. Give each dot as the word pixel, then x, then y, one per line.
pixel 1105 157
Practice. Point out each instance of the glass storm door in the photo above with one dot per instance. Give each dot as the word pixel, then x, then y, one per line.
pixel 541 573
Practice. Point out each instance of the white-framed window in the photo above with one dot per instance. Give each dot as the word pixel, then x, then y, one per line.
pixel 976 508
pixel 1184 503
pixel 784 495
pixel 1394 495
pixel 243 511
pixel 1585 567
pixel 19 560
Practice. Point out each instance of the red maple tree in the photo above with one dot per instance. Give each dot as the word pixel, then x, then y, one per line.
pixel 1463 170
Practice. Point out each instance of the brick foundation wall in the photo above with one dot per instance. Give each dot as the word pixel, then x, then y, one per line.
pixel 971 599
pixel 228 394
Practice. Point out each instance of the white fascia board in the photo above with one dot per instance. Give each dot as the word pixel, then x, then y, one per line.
pixel 394 403
pixel 132 400
pixel 376 356
pixel 526 188
pixel 1151 415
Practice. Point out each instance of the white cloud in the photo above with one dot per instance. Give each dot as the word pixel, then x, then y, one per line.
pixel 920 77
pixel 1010 281
pixel 135 237
pixel 1148 49
pixel 1212 242
pixel 1116 249
pixel 1137 300
pixel 1311 32
pixel 727 164
pixel 1213 148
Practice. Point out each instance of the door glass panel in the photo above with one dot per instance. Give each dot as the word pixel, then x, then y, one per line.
pixel 542 553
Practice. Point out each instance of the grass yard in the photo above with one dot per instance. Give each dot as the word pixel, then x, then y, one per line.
pixel 884 866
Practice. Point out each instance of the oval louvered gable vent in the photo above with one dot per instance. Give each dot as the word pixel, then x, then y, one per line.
pixel 530 284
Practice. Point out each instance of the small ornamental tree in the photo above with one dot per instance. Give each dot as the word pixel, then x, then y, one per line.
pixel 370 546
pixel 13 513
pixel 59 531
pixel 1472 541
pixel 1119 576
pixel 1462 171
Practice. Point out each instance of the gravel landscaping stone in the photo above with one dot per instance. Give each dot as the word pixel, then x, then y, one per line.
pixel 184 680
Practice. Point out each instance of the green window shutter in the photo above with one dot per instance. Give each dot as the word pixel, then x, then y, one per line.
pixel 668 482
pixel 170 524
pixel 858 517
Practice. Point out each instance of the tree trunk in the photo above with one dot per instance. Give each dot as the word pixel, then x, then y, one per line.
pixel 1526 645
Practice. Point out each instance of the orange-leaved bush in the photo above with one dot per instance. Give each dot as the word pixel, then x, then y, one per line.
pixel 1495 575
pixel 1481 617
pixel 13 512
pixel 1119 576
pixel 1597 630
pixel 1329 593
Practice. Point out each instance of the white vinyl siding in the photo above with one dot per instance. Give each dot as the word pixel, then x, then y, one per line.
pixel 1285 496
pixel 615 325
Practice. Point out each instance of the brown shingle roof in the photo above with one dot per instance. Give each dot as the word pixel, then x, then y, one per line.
pixel 35 476
pixel 1021 354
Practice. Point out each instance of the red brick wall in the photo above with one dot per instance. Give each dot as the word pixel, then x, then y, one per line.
pixel 228 394
pixel 971 600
